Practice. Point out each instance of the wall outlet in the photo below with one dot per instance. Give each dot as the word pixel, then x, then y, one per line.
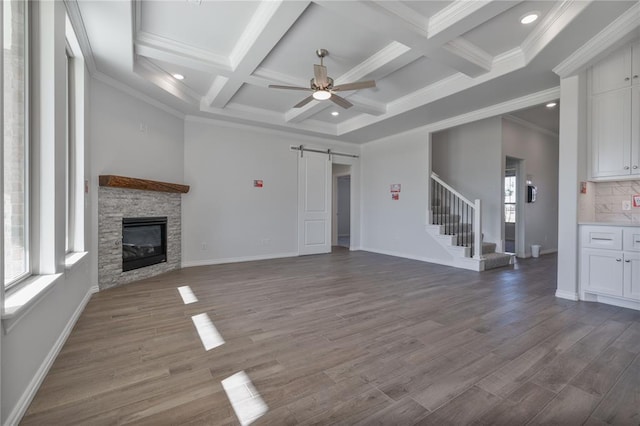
pixel 626 205
pixel 265 241
pixel 204 247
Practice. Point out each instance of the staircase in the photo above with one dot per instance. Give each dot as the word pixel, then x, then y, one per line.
pixel 456 223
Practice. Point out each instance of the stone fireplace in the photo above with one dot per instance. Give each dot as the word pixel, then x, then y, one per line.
pixel 137 223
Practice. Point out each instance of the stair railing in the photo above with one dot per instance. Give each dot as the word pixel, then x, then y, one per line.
pixel 451 204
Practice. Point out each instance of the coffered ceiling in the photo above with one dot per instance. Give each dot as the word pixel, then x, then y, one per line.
pixel 431 60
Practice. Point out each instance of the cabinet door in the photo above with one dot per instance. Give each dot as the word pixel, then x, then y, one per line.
pixel 635 129
pixel 614 72
pixel 611 133
pixel 631 288
pixel 601 271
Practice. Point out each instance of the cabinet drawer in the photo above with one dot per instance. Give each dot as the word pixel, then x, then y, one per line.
pixel 631 240
pixel 602 237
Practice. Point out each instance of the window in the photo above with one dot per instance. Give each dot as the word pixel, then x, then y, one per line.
pixel 70 155
pixel 16 146
pixel 510 199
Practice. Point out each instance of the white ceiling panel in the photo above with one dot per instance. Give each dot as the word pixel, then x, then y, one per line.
pixel 343 114
pixel 199 81
pixel 347 43
pixel 505 32
pixel 540 115
pixel 211 25
pixel 268 99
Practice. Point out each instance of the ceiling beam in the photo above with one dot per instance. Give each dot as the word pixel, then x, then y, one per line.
pixel 268 25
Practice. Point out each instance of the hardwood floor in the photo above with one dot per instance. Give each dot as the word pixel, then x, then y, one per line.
pixel 347 338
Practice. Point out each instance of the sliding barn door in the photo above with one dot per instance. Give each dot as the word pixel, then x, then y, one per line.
pixel 314 203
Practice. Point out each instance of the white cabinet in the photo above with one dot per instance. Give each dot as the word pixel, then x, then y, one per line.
pixel 610 262
pixel 631 288
pixel 615 115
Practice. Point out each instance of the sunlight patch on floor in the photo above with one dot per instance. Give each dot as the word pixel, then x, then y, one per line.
pixel 187 295
pixel 208 332
pixel 245 399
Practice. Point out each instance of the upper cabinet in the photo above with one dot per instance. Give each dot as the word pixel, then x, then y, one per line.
pixel 615 115
pixel 618 70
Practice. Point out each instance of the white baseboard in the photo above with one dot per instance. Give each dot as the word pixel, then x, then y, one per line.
pixel 466 263
pixel 567 295
pixel 206 262
pixel 23 403
pixel 615 301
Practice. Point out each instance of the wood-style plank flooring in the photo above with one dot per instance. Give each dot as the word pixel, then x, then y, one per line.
pixel 348 338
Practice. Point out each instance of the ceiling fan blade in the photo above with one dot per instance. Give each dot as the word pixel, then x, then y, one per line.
pixel 338 100
pixel 275 86
pixel 355 86
pixel 320 75
pixel 303 102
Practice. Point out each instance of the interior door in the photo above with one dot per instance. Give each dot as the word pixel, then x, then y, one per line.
pixel 314 203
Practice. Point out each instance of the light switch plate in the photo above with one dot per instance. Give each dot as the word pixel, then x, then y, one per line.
pixel 626 205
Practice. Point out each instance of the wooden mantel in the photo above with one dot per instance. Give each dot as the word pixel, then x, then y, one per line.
pixel 144 184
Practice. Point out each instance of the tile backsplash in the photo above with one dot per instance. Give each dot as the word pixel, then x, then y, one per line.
pixel 609 197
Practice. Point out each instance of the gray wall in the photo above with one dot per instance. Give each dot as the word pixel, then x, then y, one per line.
pixel 540 154
pixel 469 158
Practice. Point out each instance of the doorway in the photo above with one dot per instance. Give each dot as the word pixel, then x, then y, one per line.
pixel 512 217
pixel 341 223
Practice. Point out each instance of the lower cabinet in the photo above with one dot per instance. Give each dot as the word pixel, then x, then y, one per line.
pixel 610 264
pixel 631 274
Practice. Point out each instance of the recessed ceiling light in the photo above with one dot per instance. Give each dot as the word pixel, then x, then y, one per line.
pixel 529 18
pixel 552 104
pixel 335 113
pixel 178 76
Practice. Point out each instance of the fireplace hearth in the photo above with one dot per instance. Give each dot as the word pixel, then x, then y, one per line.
pixel 144 242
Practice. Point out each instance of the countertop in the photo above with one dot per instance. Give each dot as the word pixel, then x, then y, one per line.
pixel 610 224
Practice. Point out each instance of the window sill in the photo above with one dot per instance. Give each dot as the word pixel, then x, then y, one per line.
pixel 73 258
pixel 18 300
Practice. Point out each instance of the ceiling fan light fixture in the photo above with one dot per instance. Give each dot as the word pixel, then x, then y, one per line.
pixel 529 18
pixel 321 95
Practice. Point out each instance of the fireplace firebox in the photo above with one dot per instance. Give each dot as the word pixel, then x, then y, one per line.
pixel 144 242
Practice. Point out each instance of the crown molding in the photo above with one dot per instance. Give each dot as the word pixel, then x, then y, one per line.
pixel 73 11
pixel 452 14
pixel 530 125
pixel 269 118
pixel 600 43
pixel 470 52
pixel 156 75
pixel 560 15
pixel 100 76
pixel 483 113
pixel 387 54
pixel 259 129
pixel 147 40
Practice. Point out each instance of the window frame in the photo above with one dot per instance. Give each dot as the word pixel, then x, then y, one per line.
pixel 27 51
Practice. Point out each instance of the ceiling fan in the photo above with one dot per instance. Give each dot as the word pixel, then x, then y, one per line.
pixel 322 85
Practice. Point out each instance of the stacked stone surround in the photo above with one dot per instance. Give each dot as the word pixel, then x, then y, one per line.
pixel 117 203
pixel 608 201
